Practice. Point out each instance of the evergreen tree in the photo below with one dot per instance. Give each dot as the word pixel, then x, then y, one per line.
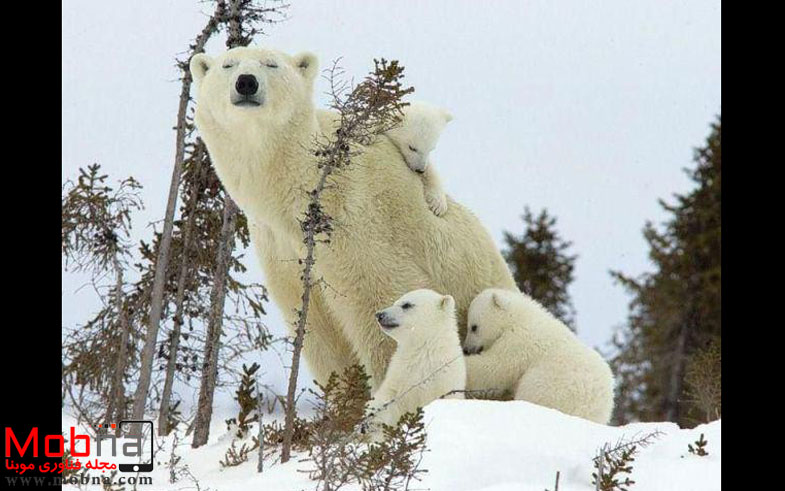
pixel 676 309
pixel 541 265
pixel 96 224
pixel 182 283
pixel 248 401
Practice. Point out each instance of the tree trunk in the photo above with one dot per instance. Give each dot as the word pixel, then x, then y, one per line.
pixel 116 410
pixel 678 364
pixel 204 410
pixel 166 395
pixel 162 261
pixel 294 371
pixel 260 433
pixel 234 32
pixel 302 319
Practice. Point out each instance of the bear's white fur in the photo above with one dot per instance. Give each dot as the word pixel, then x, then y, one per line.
pixel 521 348
pixel 386 241
pixel 416 137
pixel 428 362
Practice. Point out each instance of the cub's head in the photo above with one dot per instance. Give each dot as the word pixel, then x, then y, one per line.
pixel 244 87
pixel 419 132
pixel 490 313
pixel 418 314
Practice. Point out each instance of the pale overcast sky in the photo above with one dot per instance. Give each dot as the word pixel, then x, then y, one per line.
pixel 589 109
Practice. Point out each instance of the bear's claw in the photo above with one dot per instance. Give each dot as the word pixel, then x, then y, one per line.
pixel 437 203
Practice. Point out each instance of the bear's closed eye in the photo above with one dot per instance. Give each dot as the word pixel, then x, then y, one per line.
pixel 412 148
pixel 407 306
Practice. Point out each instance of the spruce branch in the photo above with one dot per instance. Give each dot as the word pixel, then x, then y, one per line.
pixel 613 462
pixel 700 447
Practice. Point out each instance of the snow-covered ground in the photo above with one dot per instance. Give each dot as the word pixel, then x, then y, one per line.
pixel 480 445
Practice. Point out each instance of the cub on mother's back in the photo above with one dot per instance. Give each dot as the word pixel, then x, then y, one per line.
pixel 416 137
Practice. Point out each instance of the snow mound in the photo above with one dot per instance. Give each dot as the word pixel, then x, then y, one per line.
pixel 515 445
pixel 482 446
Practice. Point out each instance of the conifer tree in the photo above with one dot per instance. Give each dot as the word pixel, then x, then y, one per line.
pixel 541 265
pixel 96 223
pixel 185 277
pixel 248 400
pixel 676 309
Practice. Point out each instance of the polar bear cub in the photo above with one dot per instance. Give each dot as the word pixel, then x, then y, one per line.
pixel 416 138
pixel 514 344
pixel 428 362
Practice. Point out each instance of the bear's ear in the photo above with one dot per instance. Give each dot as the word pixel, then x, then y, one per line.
pixel 499 301
pixel 447 116
pixel 447 303
pixel 307 64
pixel 199 65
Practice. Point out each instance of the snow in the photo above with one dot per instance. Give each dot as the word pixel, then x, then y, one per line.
pixel 490 445
pixel 480 446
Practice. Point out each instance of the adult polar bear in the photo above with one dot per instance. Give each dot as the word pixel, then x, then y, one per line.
pixel 256 114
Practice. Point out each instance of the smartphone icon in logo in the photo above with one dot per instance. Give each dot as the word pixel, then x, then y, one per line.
pixel 141 432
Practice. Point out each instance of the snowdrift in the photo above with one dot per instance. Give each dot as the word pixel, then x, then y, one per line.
pixel 482 446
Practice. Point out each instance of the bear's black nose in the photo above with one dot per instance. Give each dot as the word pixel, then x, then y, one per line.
pixel 385 321
pixel 246 84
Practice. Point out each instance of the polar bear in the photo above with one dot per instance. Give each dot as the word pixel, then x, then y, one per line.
pixel 416 138
pixel 428 362
pixel 255 112
pixel 514 344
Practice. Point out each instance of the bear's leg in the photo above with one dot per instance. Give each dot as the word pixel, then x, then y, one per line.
pixel 383 404
pixel 325 348
pixel 434 193
pixel 487 378
pixel 373 348
pixel 375 360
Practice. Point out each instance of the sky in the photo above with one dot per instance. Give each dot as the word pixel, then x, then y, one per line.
pixel 589 109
